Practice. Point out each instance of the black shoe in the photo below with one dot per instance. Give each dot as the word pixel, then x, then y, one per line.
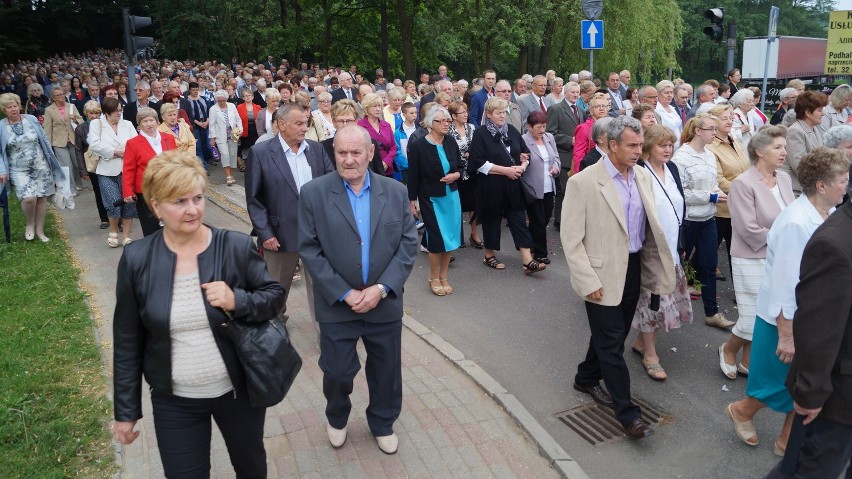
pixel 598 394
pixel 543 259
pixel 638 429
pixel 104 225
pixel 556 225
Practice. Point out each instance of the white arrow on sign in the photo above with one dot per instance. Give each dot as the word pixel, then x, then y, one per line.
pixel 592 32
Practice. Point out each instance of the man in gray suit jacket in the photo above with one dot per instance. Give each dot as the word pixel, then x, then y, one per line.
pixel 537 100
pixel 274 177
pixel 358 240
pixel 562 119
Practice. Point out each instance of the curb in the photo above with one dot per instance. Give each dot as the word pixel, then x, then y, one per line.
pixel 232 200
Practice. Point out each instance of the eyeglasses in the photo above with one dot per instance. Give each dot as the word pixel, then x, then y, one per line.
pixel 344 121
pixel 712 128
pixel 324 101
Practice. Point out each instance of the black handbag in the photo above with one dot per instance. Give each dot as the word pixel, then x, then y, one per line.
pixel 527 191
pixel 269 360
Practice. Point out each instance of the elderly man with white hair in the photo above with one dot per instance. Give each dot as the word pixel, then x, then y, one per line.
pixel 743 126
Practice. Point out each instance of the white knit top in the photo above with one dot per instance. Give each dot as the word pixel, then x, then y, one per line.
pixel 198 370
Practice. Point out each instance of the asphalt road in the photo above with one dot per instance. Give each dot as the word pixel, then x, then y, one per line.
pixel 531 332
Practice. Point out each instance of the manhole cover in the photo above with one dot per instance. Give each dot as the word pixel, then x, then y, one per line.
pixel 599 426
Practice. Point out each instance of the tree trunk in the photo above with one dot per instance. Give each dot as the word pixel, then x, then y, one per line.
pixel 523 59
pixel 297 27
pixel 406 33
pixel 544 52
pixel 489 53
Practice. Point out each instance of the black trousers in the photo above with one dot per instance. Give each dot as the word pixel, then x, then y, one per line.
pixel 605 356
pixel 539 213
pixel 725 231
pixel 150 224
pixel 99 202
pixel 517 219
pixel 561 182
pixel 183 431
pixel 826 452
pixel 339 363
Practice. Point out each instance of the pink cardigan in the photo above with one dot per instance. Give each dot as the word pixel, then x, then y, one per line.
pixel 753 210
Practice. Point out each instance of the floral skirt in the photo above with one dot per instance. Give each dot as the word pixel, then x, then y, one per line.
pixel 675 308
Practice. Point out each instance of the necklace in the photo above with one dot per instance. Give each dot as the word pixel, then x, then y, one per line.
pixel 18 128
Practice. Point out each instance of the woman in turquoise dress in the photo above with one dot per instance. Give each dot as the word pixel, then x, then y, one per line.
pixel 433 174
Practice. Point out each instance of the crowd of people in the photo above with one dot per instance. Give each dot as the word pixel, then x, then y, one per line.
pixel 642 183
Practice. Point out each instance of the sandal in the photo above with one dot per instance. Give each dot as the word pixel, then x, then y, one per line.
pixel 655 371
pixel 778 450
pixel 437 290
pixel 491 262
pixel 744 429
pixel 742 369
pixel 447 288
pixel 534 267
pixel 241 164
pixel 126 241
pixel 112 240
pixel 543 260
pixel 476 244
pixel 229 180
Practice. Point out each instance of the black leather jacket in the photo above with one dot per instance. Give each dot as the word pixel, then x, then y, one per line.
pixel 142 341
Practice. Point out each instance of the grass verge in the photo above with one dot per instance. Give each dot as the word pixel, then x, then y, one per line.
pixel 53 405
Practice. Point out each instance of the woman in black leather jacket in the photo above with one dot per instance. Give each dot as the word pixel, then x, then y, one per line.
pixel 173 290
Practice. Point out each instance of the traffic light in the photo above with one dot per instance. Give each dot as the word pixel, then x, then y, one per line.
pixel 132 42
pixel 716 16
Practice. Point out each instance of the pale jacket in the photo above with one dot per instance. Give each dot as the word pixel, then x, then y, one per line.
pixel 731 161
pixel 698 174
pixel 61 132
pixel 218 127
pixel 753 210
pixel 104 141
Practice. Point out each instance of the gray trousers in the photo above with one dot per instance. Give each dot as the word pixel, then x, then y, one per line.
pixel 65 155
pixel 281 266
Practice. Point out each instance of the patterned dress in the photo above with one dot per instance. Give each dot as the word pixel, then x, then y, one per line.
pixel 29 170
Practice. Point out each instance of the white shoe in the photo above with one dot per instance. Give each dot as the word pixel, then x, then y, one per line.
pixel 388 444
pixel 728 370
pixel 336 436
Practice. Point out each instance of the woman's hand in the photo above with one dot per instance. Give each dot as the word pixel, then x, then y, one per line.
pixel 2 179
pixel 451 178
pixel 554 171
pixel 123 431
pixel 212 141
pixel 412 205
pixel 129 199
pixel 512 172
pixel 220 295
pixel 525 157
pixel 745 128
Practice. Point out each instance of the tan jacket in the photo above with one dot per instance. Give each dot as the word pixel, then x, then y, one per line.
pixel 731 162
pixel 185 140
pixel 59 131
pixel 801 138
pixel 594 237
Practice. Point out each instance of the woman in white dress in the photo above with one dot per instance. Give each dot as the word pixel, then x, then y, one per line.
pixel 743 128
pixel 668 115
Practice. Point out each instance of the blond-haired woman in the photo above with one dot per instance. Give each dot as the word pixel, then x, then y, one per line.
pixel 263 122
pixel 28 163
pixel 168 296
pixel 174 125
pixel 60 119
pixel 379 130
pixel 92 111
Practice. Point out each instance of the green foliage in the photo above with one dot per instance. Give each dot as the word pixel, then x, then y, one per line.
pixel 53 405
pixel 648 37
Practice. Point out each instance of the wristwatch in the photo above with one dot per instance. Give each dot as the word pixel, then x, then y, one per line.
pixel 383 290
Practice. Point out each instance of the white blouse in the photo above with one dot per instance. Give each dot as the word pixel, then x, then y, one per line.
pixel 104 141
pixel 548 161
pixel 785 245
pixel 671 120
pixel 670 212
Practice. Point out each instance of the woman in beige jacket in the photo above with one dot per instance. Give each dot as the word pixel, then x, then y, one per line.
pixel 60 119
pixel 731 161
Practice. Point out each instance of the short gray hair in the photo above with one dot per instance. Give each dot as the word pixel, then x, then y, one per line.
pixel 143 85
pixel 616 127
pixel 221 94
pixel 741 97
pixel 599 130
pixel 283 112
pixel 702 90
pixel 837 135
pixel 432 112
pixel 763 138
pixel 783 94
pixel 146 112
pixel 838 96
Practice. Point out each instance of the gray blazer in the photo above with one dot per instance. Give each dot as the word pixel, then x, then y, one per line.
pixel 330 246
pixel 529 104
pixel 271 193
pixel 561 123
pixel 535 169
pixel 801 139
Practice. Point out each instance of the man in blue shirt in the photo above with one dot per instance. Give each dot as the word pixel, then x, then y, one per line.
pixel 358 242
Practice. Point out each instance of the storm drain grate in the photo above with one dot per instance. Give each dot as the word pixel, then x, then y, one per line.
pixel 599 426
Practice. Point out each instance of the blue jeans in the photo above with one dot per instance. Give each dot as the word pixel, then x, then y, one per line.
pixel 701 235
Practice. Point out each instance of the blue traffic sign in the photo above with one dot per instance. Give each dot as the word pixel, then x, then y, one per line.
pixel 592 34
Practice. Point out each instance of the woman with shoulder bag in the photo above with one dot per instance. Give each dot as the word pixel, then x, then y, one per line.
pixel 175 290
pixel 87 160
pixel 541 172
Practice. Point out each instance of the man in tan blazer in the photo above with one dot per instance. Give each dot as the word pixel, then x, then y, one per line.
pixel 614 244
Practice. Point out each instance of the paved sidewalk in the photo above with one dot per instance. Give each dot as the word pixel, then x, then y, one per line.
pixel 456 421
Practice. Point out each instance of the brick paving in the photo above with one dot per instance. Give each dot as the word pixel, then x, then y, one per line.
pixel 449 426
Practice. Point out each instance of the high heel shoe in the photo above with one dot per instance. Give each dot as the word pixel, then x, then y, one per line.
pixel 437 290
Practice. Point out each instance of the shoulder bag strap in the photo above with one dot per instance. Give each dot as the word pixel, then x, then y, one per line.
pixel 679 219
